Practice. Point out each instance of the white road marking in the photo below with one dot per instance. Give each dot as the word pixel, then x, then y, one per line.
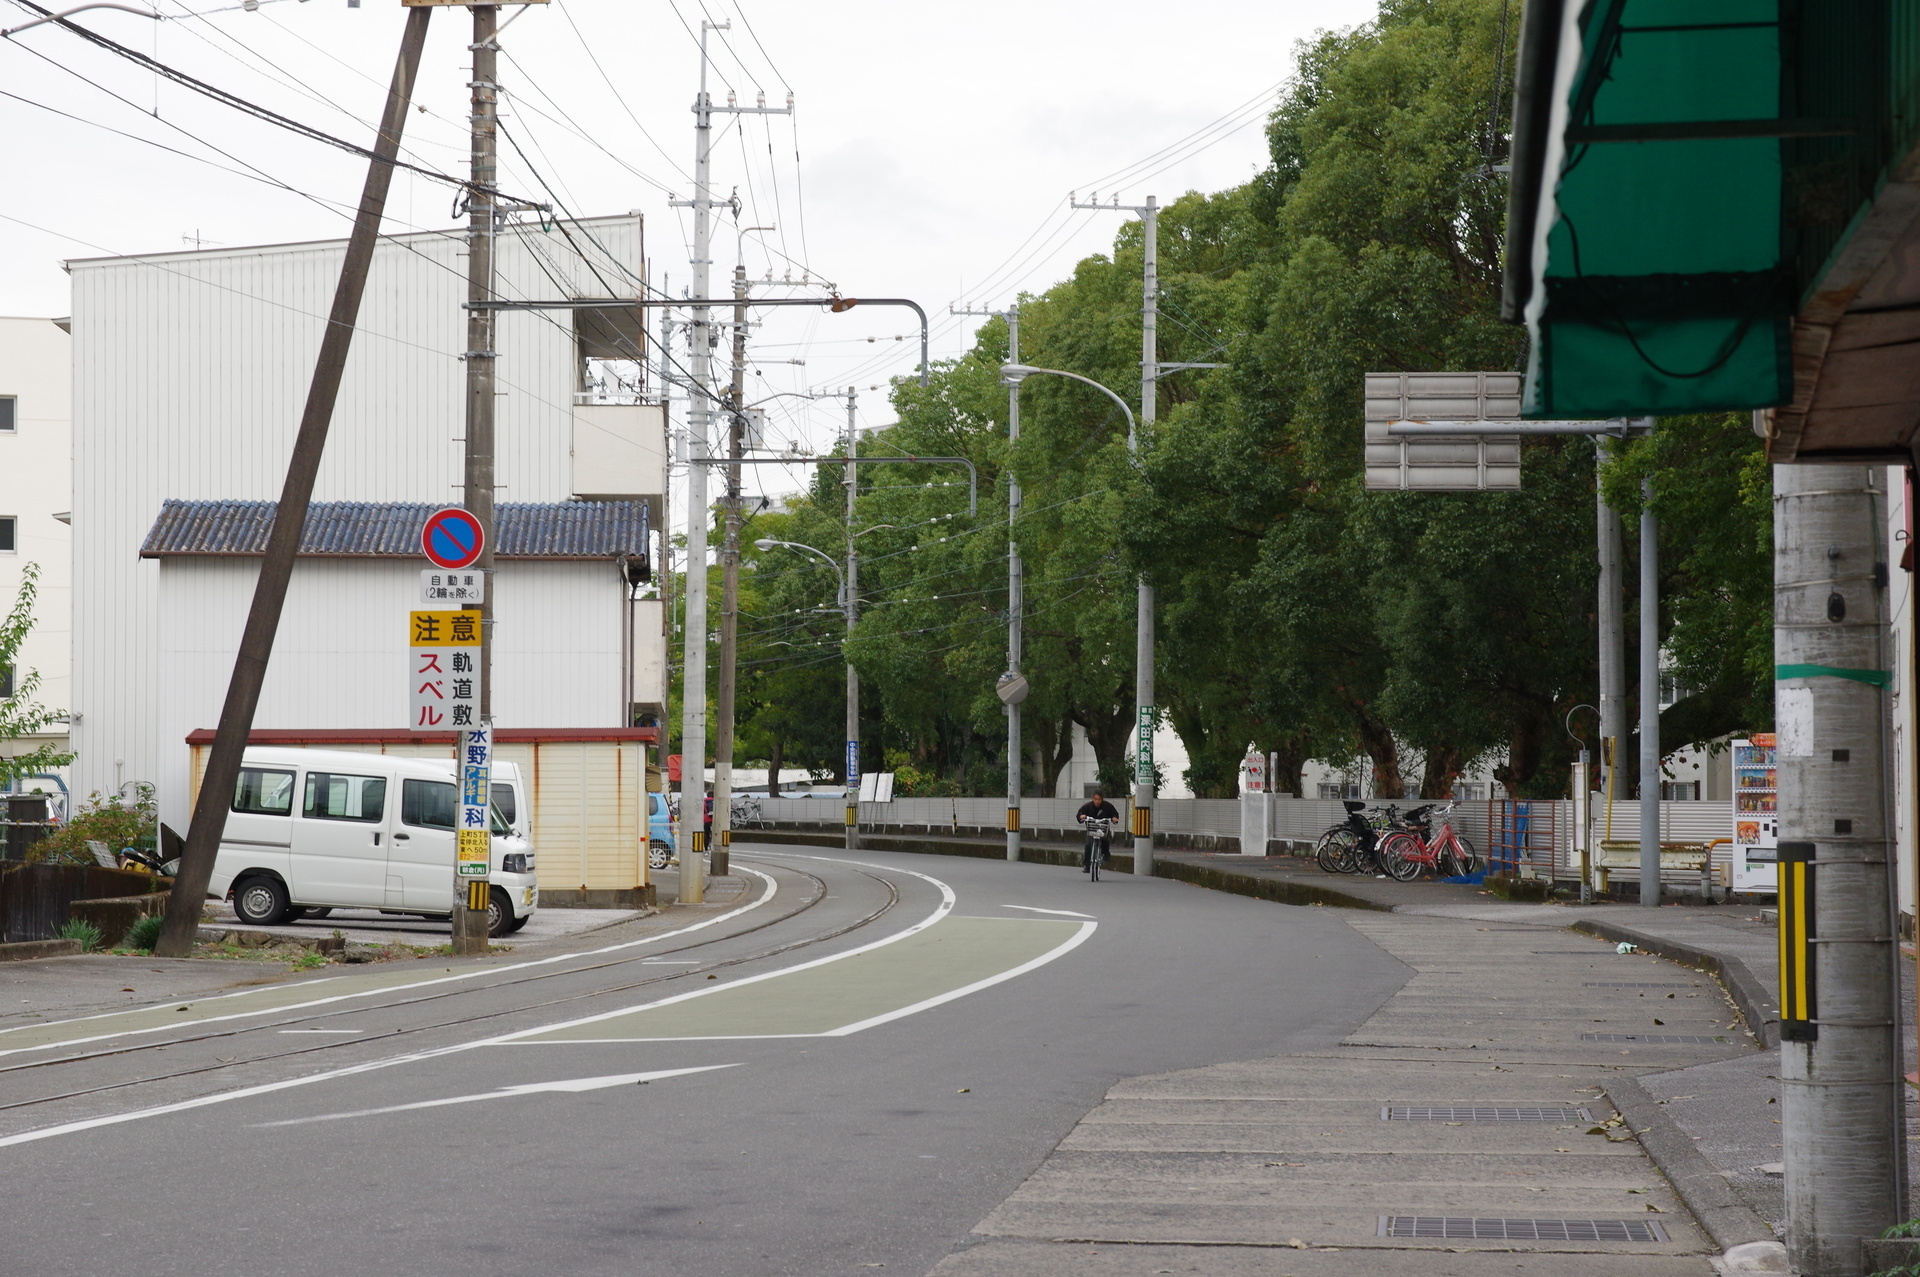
pixel 947 901
pixel 323 1030
pixel 772 890
pixel 1064 913
pixel 572 1086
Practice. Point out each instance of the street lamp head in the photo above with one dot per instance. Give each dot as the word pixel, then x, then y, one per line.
pixel 766 543
pixel 1014 374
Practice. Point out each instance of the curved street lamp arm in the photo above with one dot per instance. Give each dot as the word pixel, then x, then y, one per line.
pixel 1074 376
pixel 82 8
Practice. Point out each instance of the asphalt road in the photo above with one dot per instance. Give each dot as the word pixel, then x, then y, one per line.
pixel 933 1027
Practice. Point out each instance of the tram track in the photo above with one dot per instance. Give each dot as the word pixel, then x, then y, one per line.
pixel 888 904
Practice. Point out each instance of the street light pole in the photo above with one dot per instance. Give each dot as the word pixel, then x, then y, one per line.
pixel 1013 374
pixel 853 679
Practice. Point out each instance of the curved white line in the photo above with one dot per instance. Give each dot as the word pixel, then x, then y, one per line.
pixel 773 889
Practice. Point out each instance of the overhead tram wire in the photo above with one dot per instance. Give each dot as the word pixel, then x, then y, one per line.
pixel 567 13
pixel 243 105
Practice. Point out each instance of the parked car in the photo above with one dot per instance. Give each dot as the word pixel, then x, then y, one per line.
pixel 311 830
pixel 661 845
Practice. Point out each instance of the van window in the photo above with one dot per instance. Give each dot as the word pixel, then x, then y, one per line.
pixel 432 804
pixel 263 793
pixel 505 803
pixel 427 803
pixel 331 796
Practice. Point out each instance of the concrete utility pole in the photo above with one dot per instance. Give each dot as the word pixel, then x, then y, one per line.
pixel 289 517
pixel 1843 1130
pixel 1649 698
pixel 1143 644
pixel 693 721
pixel 730 586
pixel 1613 657
pixel 853 616
pixel 469 905
pixel 1013 689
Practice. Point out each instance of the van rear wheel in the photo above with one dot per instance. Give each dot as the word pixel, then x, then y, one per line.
pixel 261 901
pixel 658 854
pixel 499 913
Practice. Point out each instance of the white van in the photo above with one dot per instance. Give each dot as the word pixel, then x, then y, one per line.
pixel 311 830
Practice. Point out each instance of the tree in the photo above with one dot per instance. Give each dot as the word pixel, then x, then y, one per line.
pixel 20 717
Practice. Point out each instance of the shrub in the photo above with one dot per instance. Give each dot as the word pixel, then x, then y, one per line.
pixel 85 932
pixel 144 934
pixel 107 818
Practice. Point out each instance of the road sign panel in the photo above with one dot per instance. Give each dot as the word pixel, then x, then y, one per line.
pixel 451 539
pixel 1464 463
pixel 443 671
pixel 475 841
pixel 442 589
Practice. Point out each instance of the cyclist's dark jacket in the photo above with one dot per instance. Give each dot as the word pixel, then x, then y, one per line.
pixel 1102 810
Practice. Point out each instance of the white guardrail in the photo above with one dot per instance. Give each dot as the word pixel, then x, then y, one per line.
pixel 1292 824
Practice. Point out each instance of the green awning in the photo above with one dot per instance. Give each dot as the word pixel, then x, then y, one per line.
pixel 1682 171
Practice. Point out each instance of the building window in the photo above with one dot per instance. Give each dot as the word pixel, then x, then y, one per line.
pixel 8 539
pixel 1467 791
pixel 7 414
pixel 6 682
pixel 1345 789
pixel 1679 791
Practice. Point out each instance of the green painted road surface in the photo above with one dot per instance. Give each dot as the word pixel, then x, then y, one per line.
pixel 839 994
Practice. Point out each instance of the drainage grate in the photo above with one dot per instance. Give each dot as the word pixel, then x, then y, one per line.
pixel 1521 1230
pixel 1482 1113
pixel 1652 1037
pixel 1628 984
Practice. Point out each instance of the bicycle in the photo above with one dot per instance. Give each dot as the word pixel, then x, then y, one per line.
pixel 1409 850
pixel 1099 834
pixel 746 810
pixel 1353 846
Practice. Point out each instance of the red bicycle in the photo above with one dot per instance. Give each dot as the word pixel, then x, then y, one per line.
pixel 1409 850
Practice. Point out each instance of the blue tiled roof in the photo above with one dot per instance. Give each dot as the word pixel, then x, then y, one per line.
pixel 391 529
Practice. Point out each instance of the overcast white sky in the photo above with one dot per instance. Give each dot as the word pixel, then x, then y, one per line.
pixel 937 143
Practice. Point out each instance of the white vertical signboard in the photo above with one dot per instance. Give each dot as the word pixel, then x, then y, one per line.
pixel 443 671
pixel 476 771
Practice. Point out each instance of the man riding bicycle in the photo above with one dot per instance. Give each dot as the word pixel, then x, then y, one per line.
pixel 1098 808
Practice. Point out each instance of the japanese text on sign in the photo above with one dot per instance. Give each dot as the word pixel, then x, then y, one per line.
pixel 452 589
pixel 475 842
pixel 443 671
pixel 1143 748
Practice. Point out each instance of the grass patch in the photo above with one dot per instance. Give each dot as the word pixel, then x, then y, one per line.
pixel 85 932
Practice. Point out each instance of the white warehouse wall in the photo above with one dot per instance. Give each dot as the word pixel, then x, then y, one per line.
pixel 340 659
pixel 36 485
pixel 190 371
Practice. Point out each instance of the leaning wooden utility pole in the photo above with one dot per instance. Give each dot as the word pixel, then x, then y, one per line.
pixel 289 517
pixel 470 893
pixel 730 590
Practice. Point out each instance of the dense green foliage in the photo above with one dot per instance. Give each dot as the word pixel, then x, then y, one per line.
pixel 107 818
pixel 1420 634
pixel 20 715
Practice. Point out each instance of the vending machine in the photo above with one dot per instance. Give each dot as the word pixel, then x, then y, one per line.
pixel 1756 818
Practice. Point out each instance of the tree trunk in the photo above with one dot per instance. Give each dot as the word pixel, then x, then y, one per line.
pixel 1442 769
pixel 1384 750
pixel 1287 766
pixel 1051 743
pixel 778 753
pixel 1109 734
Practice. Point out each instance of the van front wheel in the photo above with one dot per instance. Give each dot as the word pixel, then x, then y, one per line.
pixel 499 913
pixel 658 854
pixel 261 901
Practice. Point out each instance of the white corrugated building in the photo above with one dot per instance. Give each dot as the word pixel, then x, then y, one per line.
pixel 190 373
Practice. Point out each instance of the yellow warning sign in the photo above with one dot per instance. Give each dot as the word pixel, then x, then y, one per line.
pixel 443 629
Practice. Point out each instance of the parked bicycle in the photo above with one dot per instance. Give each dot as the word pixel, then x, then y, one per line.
pixel 746 810
pixel 1413 849
pixel 1353 845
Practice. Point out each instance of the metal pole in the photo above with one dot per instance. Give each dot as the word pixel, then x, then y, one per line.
pixel 1649 699
pixel 1016 595
pixel 1842 1126
pixel 1613 647
pixel 730 589
pixel 289 517
pixel 853 677
pixel 1143 784
pixel 693 721
pixel 470 925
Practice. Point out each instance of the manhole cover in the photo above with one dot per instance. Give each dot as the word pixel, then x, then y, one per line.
pixel 1439 1227
pixel 1482 1113
pixel 1652 1037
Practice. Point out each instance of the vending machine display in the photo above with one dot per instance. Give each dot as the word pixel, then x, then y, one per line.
pixel 1756 819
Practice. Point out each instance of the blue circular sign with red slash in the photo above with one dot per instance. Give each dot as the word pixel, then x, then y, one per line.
pixel 452 539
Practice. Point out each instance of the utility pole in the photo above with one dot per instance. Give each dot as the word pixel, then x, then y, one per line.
pixel 1843 1130
pixel 1143 639
pixel 470 897
pixel 1649 698
pixel 1013 683
pixel 1613 660
pixel 693 722
pixel 289 517
pixel 853 616
pixel 730 585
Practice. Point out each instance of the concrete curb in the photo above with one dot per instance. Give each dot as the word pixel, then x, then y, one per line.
pixel 1706 1192
pixel 27 950
pixel 1749 992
